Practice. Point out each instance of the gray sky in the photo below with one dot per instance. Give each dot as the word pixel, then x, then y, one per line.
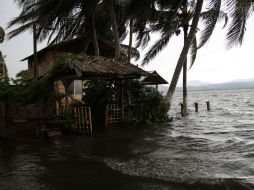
pixel 213 64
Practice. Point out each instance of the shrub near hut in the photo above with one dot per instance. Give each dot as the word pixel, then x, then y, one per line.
pixel 26 100
pixel 143 105
pixel 97 95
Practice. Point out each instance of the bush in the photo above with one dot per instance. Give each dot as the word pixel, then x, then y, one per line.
pixel 97 95
pixel 144 105
pixel 22 92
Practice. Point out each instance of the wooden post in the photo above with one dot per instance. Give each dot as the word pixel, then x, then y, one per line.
pixel 196 107
pixel 122 102
pixel 208 105
pixel 35 65
pixel 66 84
pixel 182 111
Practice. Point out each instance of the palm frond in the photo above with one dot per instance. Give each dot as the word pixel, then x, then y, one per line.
pixel 134 51
pixel 193 51
pixel 156 48
pixel 209 18
pixel 223 16
pixel 239 10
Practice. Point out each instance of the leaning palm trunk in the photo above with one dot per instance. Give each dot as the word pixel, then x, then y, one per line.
pixel 115 30
pixel 130 40
pixel 35 64
pixel 94 36
pixel 5 72
pixel 185 105
pixel 185 50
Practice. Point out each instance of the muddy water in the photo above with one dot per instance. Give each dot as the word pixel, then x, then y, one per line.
pixel 206 150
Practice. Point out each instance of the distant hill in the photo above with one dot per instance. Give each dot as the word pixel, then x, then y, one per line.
pixel 196 83
pixel 199 85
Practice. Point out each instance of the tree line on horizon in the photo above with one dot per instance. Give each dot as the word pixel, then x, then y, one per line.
pixel 114 20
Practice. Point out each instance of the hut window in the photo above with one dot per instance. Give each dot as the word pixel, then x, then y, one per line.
pixel 75 87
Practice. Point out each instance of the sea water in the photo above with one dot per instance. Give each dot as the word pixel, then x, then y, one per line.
pixel 211 147
pixel 205 150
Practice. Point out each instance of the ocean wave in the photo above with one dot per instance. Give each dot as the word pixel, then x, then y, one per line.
pixel 190 179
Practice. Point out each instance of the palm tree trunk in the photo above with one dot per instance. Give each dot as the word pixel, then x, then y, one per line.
pixel 35 65
pixel 115 29
pixel 5 72
pixel 94 36
pixel 130 41
pixel 185 105
pixel 185 50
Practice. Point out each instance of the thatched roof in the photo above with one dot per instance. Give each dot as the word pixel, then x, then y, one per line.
pixel 76 46
pixel 153 79
pixel 96 67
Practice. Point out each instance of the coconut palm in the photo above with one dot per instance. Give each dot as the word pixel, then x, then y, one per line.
pixel 2 34
pixel 3 67
pixel 71 18
pixel 169 27
pixel 186 47
pixel 62 21
pixel 181 20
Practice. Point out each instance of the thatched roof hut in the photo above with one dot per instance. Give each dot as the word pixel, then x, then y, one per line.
pixel 86 67
pixel 153 79
pixel 76 46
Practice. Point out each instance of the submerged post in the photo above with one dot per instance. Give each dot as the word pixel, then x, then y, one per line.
pixel 208 105
pixel 182 111
pixel 196 107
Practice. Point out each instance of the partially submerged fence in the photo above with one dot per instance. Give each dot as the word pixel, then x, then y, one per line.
pixel 83 121
pixel 113 114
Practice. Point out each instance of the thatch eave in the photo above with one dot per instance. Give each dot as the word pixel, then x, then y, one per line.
pixel 86 67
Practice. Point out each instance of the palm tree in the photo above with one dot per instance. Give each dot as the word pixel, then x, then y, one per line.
pixel 185 50
pixel 238 10
pixel 62 21
pixel 3 67
pixel 2 34
pixel 169 27
pixel 172 26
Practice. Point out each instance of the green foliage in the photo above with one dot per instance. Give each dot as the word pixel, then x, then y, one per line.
pixel 144 105
pixel 97 95
pixel 69 125
pixel 23 92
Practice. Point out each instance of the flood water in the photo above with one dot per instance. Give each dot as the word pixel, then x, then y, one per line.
pixel 205 150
